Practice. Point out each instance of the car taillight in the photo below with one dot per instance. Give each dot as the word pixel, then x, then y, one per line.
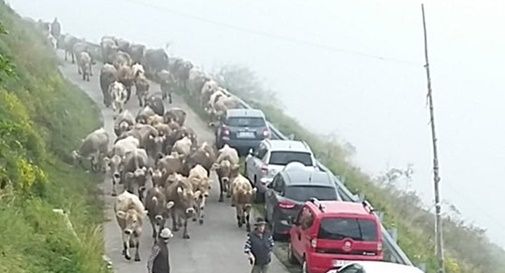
pixel 379 247
pixel 313 243
pixel 266 133
pixel 286 205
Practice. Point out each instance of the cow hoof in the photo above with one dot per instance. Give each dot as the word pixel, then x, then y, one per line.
pixel 186 236
pixel 194 219
pixel 114 194
pixel 128 257
pixel 201 221
pixel 137 259
pixel 233 205
pixel 221 199
pixel 175 229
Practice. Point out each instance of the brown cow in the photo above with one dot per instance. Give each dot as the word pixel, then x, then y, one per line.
pixel 130 215
pixel 226 162
pixel 181 193
pixel 243 195
pixel 157 208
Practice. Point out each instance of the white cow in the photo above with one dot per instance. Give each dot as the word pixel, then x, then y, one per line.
pixel 119 95
pixel 199 179
pixel 182 146
pixel 93 148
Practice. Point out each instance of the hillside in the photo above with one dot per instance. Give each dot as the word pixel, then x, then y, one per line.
pixel 43 118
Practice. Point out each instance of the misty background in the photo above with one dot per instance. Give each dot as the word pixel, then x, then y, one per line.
pixel 349 68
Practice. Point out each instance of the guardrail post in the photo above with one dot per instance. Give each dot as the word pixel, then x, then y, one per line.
pixel 394 234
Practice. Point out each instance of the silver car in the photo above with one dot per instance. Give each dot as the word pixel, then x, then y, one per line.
pixel 270 157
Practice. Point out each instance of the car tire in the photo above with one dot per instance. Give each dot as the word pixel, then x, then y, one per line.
pixel 291 255
pixel 304 266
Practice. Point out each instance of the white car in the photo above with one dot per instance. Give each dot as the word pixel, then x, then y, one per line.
pixel 376 267
pixel 271 156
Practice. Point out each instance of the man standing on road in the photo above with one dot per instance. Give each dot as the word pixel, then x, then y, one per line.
pixel 258 247
pixel 159 261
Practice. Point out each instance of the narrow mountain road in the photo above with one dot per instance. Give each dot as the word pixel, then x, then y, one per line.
pixel 215 246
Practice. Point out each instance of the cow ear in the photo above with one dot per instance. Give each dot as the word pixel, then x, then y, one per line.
pixel 150 171
pixel 170 204
pixel 121 214
pixel 214 167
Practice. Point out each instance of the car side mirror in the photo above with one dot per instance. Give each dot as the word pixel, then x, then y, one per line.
pixel 269 186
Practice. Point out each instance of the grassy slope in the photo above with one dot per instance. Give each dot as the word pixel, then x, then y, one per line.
pixel 467 247
pixel 42 118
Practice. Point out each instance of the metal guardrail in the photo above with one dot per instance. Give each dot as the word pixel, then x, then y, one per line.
pixel 397 253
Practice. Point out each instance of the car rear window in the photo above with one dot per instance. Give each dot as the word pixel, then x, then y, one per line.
pixel 245 122
pixel 304 193
pixel 341 228
pixel 284 158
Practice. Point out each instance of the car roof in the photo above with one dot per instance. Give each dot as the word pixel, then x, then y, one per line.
pixel 342 207
pixel 244 113
pixel 379 267
pixel 302 177
pixel 288 145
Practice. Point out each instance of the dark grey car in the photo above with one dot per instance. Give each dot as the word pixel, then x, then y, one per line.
pixel 289 190
pixel 242 129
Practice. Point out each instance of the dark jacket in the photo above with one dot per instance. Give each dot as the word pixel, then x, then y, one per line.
pixel 260 246
pixel 159 260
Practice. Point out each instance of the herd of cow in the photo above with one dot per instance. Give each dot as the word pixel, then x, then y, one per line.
pixel 155 156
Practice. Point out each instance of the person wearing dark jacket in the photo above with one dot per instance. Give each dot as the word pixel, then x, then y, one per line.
pixel 159 262
pixel 258 247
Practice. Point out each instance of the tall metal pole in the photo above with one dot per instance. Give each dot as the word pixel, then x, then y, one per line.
pixel 436 177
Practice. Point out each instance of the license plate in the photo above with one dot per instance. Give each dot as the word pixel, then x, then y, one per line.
pixel 339 263
pixel 245 134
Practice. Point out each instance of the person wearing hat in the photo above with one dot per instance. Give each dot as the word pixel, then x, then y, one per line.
pixel 159 262
pixel 258 247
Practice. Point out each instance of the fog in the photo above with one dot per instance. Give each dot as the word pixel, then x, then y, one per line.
pixel 352 68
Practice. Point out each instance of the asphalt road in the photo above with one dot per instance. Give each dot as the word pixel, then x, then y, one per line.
pixel 215 246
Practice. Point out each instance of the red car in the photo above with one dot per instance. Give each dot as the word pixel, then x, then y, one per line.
pixel 328 234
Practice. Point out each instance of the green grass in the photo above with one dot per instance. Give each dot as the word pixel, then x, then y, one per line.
pixel 42 119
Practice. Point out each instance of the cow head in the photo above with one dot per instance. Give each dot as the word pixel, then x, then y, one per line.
pixel 160 207
pixel 76 157
pixel 114 165
pixel 156 144
pixel 188 200
pixel 223 170
pixel 132 219
pixel 157 177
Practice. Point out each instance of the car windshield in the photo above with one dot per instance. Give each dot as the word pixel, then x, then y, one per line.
pixel 245 122
pixel 284 158
pixel 341 228
pixel 304 193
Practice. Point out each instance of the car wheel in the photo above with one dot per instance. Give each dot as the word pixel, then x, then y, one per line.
pixel 291 255
pixel 304 266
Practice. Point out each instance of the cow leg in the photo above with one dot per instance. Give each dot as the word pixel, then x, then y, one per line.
pixel 201 211
pixel 126 246
pixel 174 222
pixel 247 214
pixel 221 190
pixel 90 70
pixel 137 254
pixel 153 225
pixel 114 192
pixel 239 217
pixel 185 233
